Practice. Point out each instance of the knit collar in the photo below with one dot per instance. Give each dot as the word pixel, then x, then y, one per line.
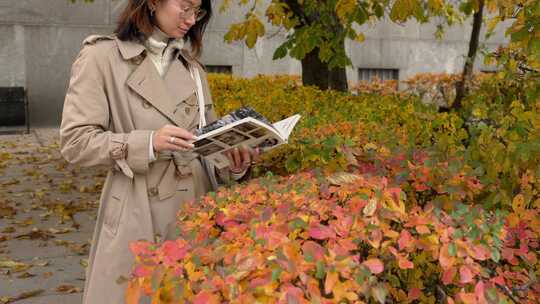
pixel 158 41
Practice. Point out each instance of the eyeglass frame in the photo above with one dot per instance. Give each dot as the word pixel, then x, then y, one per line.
pixel 186 12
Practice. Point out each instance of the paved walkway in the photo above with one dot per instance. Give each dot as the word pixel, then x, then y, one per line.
pixel 47 215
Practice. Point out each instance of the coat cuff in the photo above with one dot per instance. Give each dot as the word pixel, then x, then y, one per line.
pixel 152 155
pixel 138 154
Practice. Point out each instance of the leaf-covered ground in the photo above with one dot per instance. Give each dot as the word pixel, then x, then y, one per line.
pixel 47 216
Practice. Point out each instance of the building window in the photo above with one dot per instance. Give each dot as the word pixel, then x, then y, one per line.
pixel 380 74
pixel 223 69
pixel 488 71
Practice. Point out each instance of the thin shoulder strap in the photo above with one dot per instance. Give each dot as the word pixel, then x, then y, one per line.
pixel 199 93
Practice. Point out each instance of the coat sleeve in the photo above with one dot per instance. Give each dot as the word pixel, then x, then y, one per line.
pixel 85 135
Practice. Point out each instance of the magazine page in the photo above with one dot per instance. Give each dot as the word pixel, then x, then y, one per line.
pixel 242 127
pixel 286 126
pixel 248 131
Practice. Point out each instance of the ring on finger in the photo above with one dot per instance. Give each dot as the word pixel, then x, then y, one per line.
pixel 172 139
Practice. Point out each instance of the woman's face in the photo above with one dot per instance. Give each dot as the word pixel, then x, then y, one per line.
pixel 168 16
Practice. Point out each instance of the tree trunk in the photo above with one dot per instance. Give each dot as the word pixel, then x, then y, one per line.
pixel 317 73
pixel 462 85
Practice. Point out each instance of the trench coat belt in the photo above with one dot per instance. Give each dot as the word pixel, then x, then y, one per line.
pixel 178 167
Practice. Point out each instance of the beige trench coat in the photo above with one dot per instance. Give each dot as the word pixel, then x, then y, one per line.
pixel 115 99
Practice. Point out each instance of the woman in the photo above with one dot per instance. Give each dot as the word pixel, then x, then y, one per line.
pixel 131 105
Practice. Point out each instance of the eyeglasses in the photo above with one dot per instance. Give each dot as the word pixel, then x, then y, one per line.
pixel 188 11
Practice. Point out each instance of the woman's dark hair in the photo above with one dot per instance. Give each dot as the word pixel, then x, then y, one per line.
pixel 136 23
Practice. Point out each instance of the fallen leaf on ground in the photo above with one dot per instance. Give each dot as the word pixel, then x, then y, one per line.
pixel 12 264
pixel 84 263
pixel 36 234
pixel 60 231
pixel 25 275
pixel 68 289
pixel 40 263
pixel 22 296
pixel 10 229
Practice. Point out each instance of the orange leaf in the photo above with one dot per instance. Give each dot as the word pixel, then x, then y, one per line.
pixel 205 297
pixel 331 279
pixel 403 263
pixel 133 293
pixel 467 298
pixel 444 257
pixel 374 265
pixel 405 240
pixel 423 229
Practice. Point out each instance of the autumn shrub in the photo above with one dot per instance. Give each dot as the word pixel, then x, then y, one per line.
pixel 341 238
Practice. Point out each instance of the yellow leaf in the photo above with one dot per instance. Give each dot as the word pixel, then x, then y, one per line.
pixel 518 203
pixel 360 37
pixel 342 178
pixel 371 207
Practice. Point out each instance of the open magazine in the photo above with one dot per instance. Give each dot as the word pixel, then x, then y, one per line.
pixel 243 126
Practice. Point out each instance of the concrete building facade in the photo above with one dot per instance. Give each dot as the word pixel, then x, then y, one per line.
pixel 40 39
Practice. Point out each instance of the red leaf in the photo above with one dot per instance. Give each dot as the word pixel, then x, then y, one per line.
pixel 374 265
pixel 314 249
pixel 465 274
pixel 205 297
pixel 448 275
pixel 414 294
pixel 172 251
pixel 321 232
pixel 479 290
pixel 142 271
pixel 139 248
pixel 405 240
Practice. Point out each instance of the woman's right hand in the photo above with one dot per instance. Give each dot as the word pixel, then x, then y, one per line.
pixel 173 138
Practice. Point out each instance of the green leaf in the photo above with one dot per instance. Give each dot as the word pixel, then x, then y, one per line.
pixel 495 254
pixel 320 270
pixel 280 52
pixel 379 292
pixel 452 249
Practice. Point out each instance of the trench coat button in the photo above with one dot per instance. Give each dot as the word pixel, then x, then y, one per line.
pixel 187 110
pixel 153 191
pixel 146 105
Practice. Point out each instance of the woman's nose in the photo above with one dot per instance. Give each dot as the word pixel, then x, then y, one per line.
pixel 191 20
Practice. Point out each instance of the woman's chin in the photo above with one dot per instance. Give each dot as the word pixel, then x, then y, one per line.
pixel 178 33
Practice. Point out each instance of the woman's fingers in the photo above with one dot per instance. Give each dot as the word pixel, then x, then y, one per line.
pixel 173 138
pixel 236 158
pixel 255 155
pixel 246 157
pixel 181 133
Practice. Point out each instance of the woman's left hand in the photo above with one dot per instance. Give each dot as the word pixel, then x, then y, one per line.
pixel 243 158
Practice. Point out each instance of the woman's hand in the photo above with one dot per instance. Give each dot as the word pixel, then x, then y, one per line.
pixel 243 158
pixel 173 138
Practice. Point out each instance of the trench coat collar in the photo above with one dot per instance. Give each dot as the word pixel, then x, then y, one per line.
pixel 171 94
pixel 132 49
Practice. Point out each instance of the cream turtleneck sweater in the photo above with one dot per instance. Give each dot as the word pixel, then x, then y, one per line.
pixel 161 50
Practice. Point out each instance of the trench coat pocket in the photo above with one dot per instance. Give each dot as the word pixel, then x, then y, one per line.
pixel 116 202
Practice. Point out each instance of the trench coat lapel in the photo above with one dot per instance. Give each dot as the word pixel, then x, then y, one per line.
pixel 181 87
